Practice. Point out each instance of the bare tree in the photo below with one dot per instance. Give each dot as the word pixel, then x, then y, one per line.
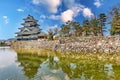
pixel 52 32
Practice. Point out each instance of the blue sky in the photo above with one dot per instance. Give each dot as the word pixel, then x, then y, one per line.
pixel 50 13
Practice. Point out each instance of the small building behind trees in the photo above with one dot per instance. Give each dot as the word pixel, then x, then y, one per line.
pixel 30 30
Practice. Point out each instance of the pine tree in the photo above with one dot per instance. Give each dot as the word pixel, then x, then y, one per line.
pixel 115 22
pixel 95 28
pixel 65 30
pixel 115 25
pixel 76 28
pixel 101 22
pixel 86 28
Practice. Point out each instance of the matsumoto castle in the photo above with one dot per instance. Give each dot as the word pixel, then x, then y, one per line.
pixel 30 30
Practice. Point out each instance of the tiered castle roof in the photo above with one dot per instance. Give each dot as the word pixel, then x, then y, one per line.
pixel 30 29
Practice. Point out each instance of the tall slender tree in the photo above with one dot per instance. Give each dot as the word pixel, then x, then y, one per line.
pixel 86 27
pixel 65 30
pixel 101 22
pixel 115 25
pixel 95 28
pixel 77 29
pixel 115 22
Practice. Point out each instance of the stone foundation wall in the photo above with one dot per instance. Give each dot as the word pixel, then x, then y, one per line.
pixel 88 44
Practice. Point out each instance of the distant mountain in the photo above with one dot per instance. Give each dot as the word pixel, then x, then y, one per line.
pixel 2 40
pixel 10 39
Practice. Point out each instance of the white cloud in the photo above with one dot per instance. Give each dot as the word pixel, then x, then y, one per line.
pixel 20 10
pixel 52 5
pixel 54 17
pixel 5 19
pixel 43 17
pixel 70 2
pixel 76 9
pixel 87 13
pixel 67 15
pixel 73 9
pixel 37 1
pixel 41 20
pixel 97 3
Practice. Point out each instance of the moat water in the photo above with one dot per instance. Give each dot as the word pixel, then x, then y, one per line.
pixel 16 66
